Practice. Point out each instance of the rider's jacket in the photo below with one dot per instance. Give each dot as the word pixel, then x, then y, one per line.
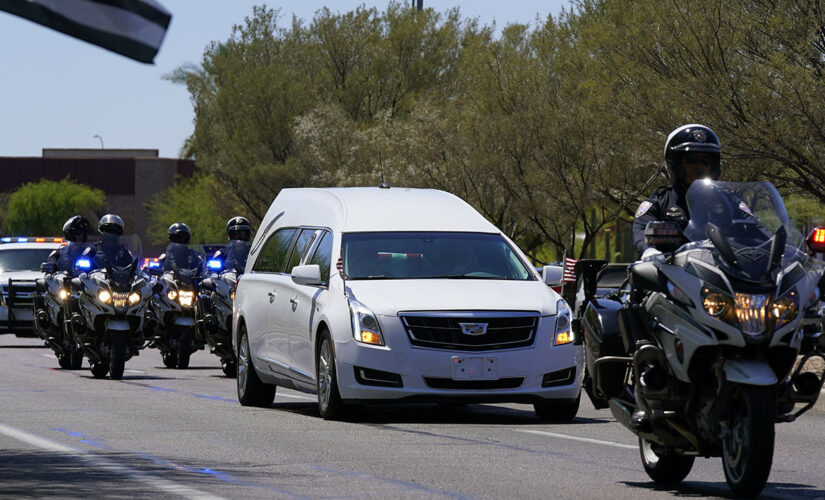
pixel 65 257
pixel 665 204
pixel 235 254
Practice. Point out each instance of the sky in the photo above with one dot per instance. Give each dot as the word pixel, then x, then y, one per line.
pixel 60 92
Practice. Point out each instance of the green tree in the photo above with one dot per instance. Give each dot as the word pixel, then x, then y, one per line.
pixel 41 208
pixel 196 202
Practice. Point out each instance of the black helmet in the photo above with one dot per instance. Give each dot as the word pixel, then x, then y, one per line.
pixel 76 225
pixel 237 228
pixel 691 138
pixel 179 233
pixel 110 224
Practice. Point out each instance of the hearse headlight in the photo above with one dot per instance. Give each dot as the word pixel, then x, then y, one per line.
pixel 365 326
pixel 564 335
pixel 785 307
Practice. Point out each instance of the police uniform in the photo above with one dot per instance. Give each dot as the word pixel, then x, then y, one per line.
pixel 665 204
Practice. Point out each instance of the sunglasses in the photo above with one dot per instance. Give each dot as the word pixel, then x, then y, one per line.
pixel 704 160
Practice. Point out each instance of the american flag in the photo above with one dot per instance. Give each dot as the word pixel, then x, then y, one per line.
pixel 569 270
pixel 340 266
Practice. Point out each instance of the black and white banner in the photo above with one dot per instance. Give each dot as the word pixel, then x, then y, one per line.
pixel 133 28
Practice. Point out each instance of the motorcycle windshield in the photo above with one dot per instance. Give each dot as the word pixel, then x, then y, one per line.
pixel 69 255
pixel 745 223
pixel 236 253
pixel 183 261
pixel 119 256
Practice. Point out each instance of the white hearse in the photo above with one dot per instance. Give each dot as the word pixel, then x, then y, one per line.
pixel 394 294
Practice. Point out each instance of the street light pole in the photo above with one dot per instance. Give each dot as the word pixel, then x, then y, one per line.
pixel 420 4
pixel 101 140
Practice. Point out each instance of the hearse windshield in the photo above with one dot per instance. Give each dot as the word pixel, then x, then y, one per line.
pixel 437 255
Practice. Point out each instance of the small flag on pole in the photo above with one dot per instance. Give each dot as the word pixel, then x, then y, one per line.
pixel 569 275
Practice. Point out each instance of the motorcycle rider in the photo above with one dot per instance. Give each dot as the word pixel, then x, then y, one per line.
pixel 692 152
pixel 110 228
pixel 179 234
pixel 75 231
pixel 238 232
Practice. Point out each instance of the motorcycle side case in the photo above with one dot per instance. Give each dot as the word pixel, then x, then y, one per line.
pixel 600 325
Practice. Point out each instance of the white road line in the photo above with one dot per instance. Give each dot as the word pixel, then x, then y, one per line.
pixel 576 438
pixel 108 465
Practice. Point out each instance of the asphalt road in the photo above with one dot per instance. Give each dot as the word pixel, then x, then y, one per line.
pixel 169 433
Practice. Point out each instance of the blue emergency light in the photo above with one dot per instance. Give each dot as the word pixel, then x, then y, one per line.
pixel 214 264
pixel 153 264
pixel 83 263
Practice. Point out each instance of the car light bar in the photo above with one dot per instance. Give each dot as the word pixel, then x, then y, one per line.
pixel 29 239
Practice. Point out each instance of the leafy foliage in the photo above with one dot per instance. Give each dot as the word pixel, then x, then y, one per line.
pixel 41 208
pixel 196 202
pixel 550 132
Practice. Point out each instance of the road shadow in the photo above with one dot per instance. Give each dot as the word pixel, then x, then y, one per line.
pixel 23 346
pixel 423 413
pixel 706 489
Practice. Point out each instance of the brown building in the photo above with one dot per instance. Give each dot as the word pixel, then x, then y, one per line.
pixel 129 177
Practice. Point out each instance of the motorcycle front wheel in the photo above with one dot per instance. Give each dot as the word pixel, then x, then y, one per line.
pixel 747 451
pixel 184 347
pixel 117 363
pixel 664 467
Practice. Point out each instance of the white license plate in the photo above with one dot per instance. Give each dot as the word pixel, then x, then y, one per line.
pixel 465 368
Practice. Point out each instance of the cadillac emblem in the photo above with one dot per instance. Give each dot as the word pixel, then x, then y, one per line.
pixel 473 328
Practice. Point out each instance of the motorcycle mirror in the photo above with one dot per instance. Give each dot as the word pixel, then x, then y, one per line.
pixel 76 285
pixel 208 284
pixel 47 268
pixel 40 285
pixel 816 240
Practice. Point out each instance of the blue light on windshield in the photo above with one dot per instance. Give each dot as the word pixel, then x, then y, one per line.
pixel 83 263
pixel 153 265
pixel 214 264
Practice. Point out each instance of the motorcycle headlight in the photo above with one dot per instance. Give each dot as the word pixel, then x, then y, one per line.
pixel 104 296
pixel 186 297
pixel 172 295
pixel 784 308
pixel 365 326
pixel 62 294
pixel 134 298
pixel 563 333
pixel 716 303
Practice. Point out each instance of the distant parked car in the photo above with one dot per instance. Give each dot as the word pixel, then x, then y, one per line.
pixel 379 294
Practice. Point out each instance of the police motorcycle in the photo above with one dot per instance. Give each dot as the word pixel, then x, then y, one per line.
pixel 214 309
pixel 697 351
pixel 112 297
pixel 172 311
pixel 55 303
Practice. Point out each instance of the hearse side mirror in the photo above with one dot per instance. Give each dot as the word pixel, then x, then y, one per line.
pixel 552 275
pixel 307 275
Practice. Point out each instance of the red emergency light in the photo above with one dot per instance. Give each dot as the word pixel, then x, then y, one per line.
pixel 816 240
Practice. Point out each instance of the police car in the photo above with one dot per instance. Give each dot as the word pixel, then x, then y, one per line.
pixel 20 260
